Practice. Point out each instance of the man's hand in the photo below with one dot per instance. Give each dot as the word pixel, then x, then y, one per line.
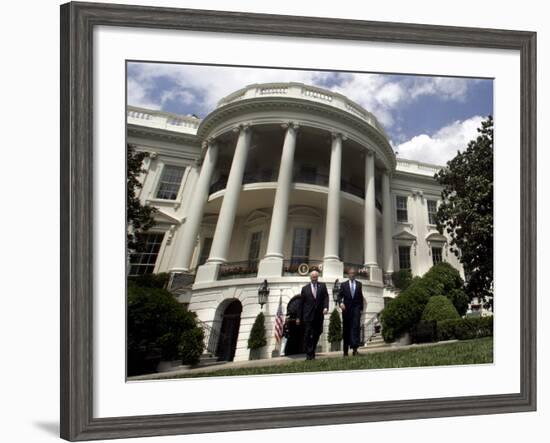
pixel 342 306
pixel 298 322
pixel 325 311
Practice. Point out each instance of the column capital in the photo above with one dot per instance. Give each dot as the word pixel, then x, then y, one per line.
pixel 290 125
pixel 242 127
pixel 338 135
pixel 210 141
pixel 370 153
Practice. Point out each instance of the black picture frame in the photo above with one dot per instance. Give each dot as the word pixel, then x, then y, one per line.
pixel 77 23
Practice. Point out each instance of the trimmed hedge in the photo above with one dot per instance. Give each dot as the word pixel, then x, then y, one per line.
pixel 439 308
pixel 465 328
pixel 157 323
pixel 404 312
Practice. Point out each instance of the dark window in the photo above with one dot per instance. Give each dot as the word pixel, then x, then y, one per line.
pixel 205 250
pixel 254 248
pixel 432 212
pixel 401 207
pixel 300 245
pixel 404 257
pixel 437 255
pixel 144 262
pixel 170 182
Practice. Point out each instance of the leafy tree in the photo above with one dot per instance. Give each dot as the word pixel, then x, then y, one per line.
pixel 139 218
pixel 466 213
pixel 257 338
pixel 335 327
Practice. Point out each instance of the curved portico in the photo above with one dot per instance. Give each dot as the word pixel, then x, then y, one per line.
pixel 286 134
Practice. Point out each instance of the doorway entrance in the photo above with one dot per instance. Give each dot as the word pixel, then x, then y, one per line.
pixel 229 331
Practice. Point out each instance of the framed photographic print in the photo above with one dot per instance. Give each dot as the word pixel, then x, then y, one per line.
pixel 254 205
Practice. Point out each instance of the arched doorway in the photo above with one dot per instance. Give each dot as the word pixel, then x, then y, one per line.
pixel 229 331
pixel 295 343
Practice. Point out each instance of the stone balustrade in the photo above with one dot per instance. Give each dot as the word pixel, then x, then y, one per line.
pixel 162 120
pixel 299 90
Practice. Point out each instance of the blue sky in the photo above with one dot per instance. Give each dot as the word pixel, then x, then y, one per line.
pixel 427 118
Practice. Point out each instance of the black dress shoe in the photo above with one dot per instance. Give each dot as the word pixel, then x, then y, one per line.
pixel 355 352
pixel 346 354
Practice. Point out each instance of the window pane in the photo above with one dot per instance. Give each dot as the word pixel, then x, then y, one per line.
pixel 144 262
pixel 404 257
pixel 170 182
pixel 300 246
pixel 401 205
pixel 432 211
pixel 254 249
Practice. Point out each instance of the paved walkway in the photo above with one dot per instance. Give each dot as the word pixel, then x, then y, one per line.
pixel 276 361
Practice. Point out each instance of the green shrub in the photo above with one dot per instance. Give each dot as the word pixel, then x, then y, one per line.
pixel 156 322
pixel 446 329
pixel 257 338
pixel 402 279
pixel 424 332
pixel 465 328
pixel 191 346
pixel 335 327
pixel 159 280
pixel 439 308
pixel 403 312
pixel 470 328
pixel 444 275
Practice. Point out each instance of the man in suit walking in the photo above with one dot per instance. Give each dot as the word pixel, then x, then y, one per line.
pixel 351 303
pixel 313 308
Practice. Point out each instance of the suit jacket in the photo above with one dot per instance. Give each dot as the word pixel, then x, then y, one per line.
pixel 310 307
pixel 351 302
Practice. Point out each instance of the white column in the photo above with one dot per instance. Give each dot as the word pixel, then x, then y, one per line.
pixel 370 212
pixel 332 266
pixel 226 218
pixel 190 229
pixel 272 263
pixel 387 227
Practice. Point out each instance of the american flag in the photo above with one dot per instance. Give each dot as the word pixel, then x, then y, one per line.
pixel 279 321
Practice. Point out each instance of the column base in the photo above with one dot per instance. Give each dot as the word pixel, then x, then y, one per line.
pixel 270 267
pixel 333 269
pixel 207 273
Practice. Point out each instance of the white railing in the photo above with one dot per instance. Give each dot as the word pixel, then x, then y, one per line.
pixel 300 90
pixel 162 120
pixel 407 165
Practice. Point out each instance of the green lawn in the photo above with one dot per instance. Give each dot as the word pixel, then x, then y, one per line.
pixel 459 353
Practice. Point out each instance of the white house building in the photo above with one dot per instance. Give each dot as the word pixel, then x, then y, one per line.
pixel 279 179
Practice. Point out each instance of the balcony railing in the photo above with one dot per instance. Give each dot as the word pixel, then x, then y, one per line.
pixel 240 269
pixel 312 179
pixel 302 266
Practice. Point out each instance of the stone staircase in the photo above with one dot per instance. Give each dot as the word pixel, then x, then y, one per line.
pixel 376 341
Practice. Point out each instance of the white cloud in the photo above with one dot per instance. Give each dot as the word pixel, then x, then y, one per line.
pixel 443 145
pixel 206 85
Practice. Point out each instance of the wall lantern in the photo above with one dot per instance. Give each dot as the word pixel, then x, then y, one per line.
pixel 263 293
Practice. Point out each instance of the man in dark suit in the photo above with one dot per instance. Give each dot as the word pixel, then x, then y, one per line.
pixel 351 303
pixel 313 308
